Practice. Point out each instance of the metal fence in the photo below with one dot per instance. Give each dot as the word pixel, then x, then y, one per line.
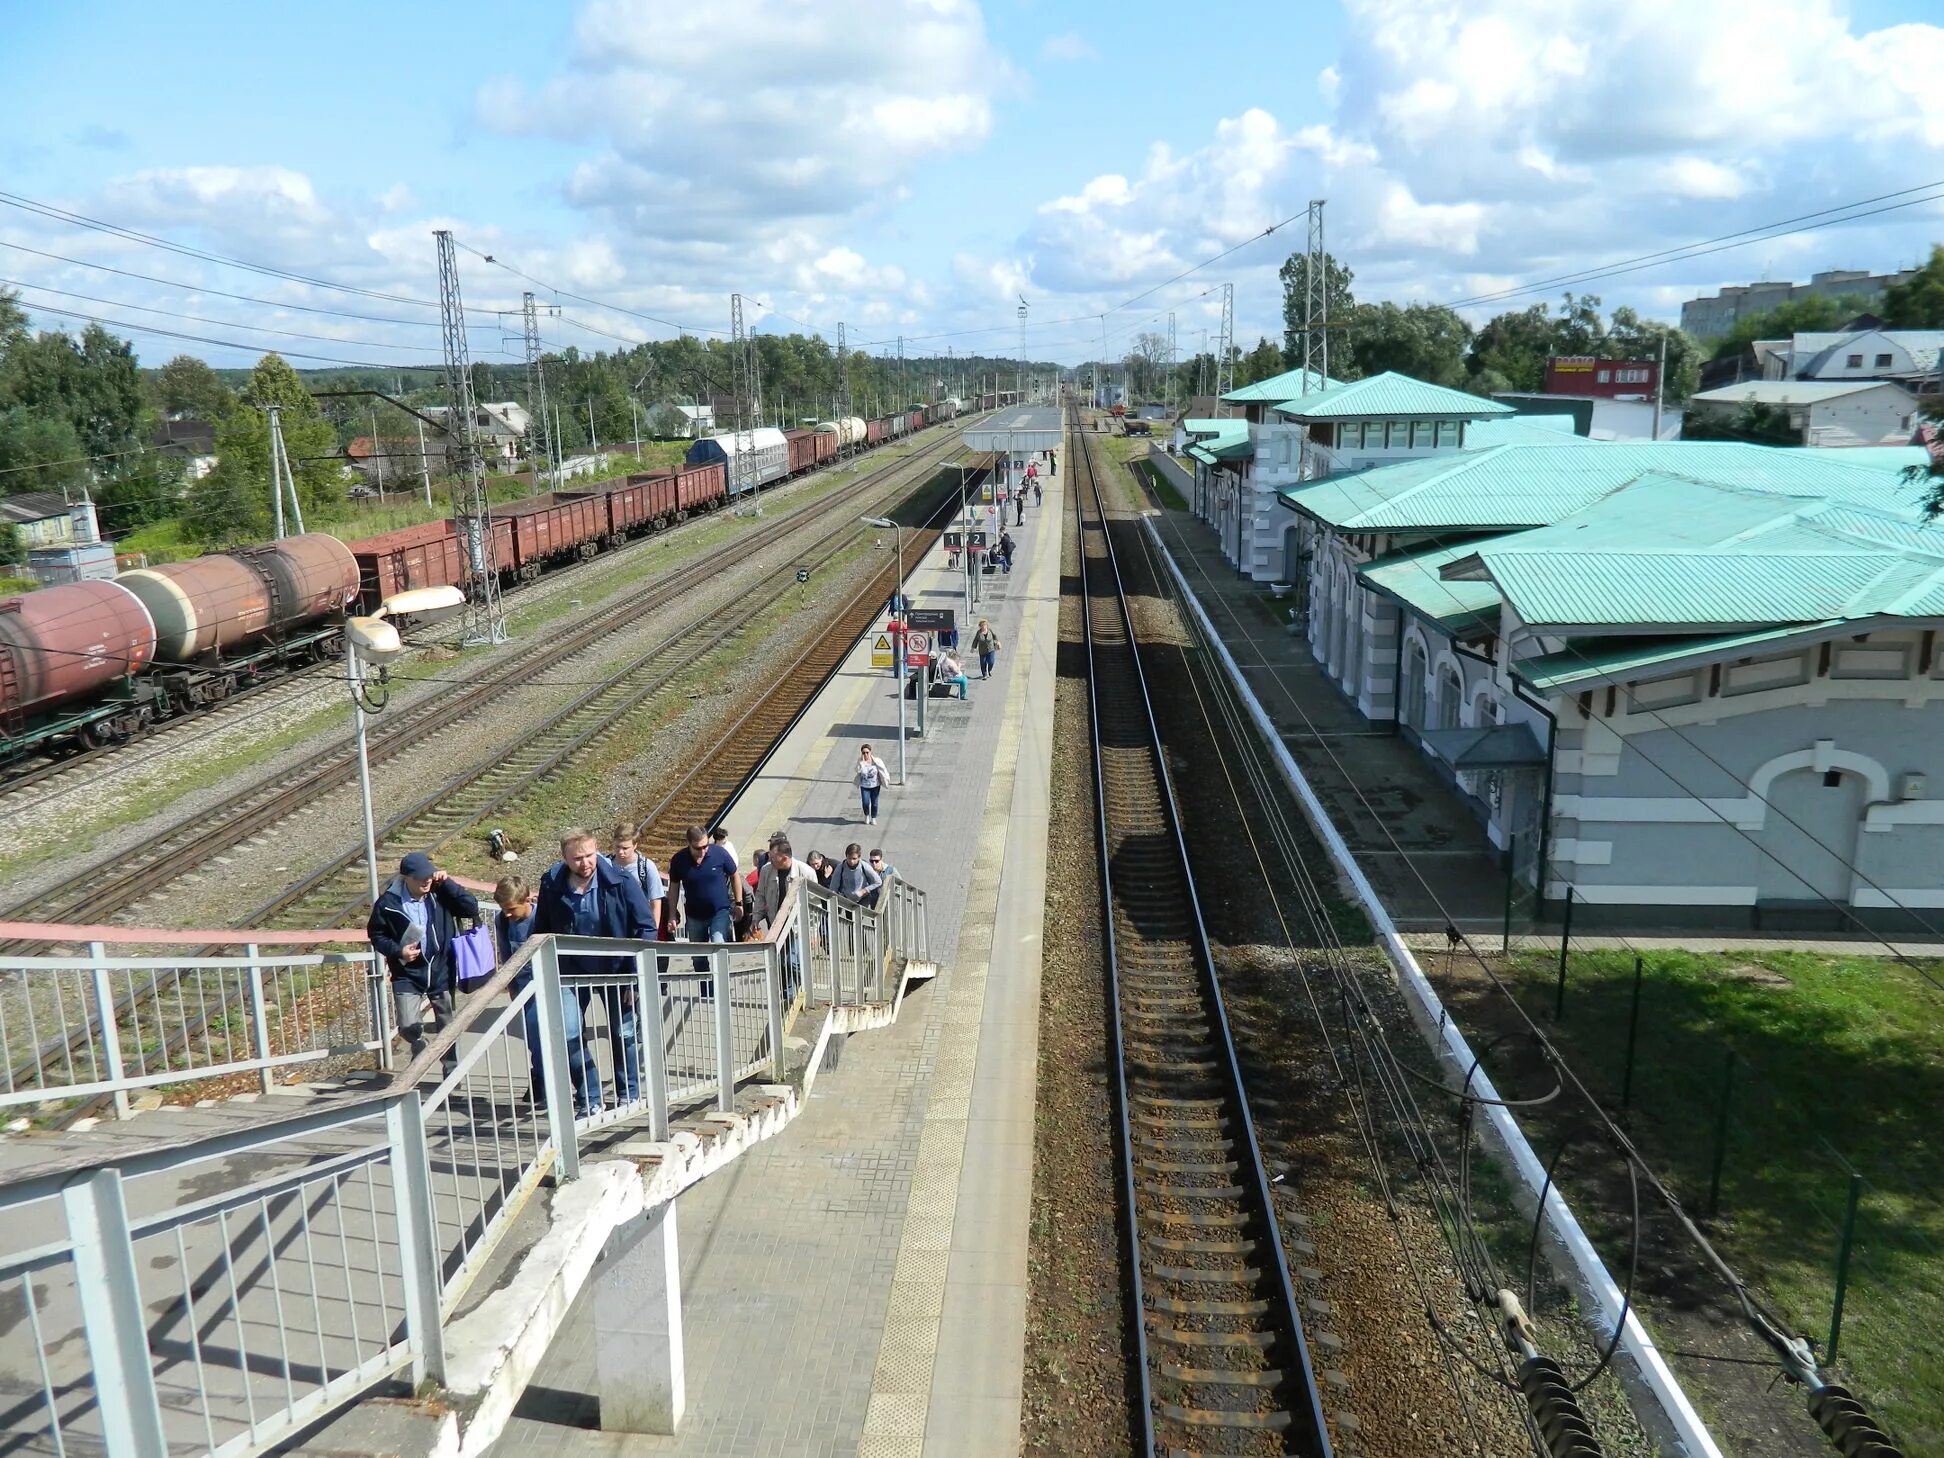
pixel 214 1294
pixel 74 1027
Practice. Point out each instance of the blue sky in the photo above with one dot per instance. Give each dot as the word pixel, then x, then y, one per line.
pixel 912 165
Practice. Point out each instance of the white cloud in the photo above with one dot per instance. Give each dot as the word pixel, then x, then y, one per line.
pixel 1069 46
pixel 746 113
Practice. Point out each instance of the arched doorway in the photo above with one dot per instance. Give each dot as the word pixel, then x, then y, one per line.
pixel 1808 837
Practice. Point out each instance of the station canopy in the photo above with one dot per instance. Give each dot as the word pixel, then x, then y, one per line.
pixel 1016 432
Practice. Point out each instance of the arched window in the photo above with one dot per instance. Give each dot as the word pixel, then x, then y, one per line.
pixel 1412 709
pixel 1451 697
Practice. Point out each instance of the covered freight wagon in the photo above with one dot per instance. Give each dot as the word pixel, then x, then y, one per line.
pixel 769 457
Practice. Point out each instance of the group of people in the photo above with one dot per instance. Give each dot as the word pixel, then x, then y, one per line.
pixel 621 894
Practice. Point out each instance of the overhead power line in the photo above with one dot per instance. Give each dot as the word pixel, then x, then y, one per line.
pixel 200 319
pixel 1719 244
pixel 220 293
pixel 558 292
pixel 249 346
pixel 134 235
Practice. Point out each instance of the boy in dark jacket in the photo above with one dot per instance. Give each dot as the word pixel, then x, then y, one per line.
pixel 586 895
pixel 412 927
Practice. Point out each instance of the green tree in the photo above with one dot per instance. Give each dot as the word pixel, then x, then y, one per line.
pixel 1512 347
pixel 1263 362
pixel 145 488
pixel 1919 302
pixel 39 453
pixel 1337 279
pixel 188 386
pixel 1752 421
pixel 1425 341
pixel 13 322
pixel 1631 337
pixel 92 384
pixel 13 546
pixel 232 503
pixel 1810 315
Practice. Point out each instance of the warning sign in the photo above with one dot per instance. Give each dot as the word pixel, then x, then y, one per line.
pixel 917 649
pixel 881 652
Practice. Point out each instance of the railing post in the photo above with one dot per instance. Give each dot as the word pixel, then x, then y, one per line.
pixel 773 979
pixel 725 1043
pixel 259 1020
pixel 654 1042
pixel 378 989
pixel 418 1240
pixel 924 929
pixel 555 1065
pixel 807 943
pixel 111 1048
pixel 109 1285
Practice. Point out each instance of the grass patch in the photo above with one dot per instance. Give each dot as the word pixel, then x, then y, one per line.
pixel 1839 1066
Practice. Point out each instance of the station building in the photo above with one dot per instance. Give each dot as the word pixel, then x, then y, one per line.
pixel 1685 683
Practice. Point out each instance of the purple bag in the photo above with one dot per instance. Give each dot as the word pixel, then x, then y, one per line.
pixel 474 957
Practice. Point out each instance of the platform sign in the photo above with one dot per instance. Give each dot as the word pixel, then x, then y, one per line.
pixel 954 542
pixel 881 656
pixel 976 541
pixel 917 649
pixel 933 620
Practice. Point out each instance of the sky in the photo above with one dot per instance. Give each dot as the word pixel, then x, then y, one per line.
pixel 917 167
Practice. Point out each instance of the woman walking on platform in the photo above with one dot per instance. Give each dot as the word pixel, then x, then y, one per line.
pixel 870 777
pixel 985 643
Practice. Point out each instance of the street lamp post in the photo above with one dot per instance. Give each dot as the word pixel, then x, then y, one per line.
pixel 372 640
pixel 897 638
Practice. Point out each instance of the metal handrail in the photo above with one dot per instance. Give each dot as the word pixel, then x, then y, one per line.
pixel 382 1207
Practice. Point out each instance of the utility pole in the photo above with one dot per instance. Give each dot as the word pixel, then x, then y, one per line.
pixel 378 452
pixel 1022 349
pixel 592 439
pixel 485 615
pixel 749 402
pixel 1224 367
pixel 1316 306
pixel 280 473
pixel 844 382
pixel 425 469
pixel 1171 364
pixel 540 436
pixel 1660 385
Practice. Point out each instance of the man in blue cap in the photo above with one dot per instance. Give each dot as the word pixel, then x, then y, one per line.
pixel 412 926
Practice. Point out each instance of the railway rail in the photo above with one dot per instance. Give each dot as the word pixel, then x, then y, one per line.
pixel 104 890
pixel 1224 1363
pixel 334 895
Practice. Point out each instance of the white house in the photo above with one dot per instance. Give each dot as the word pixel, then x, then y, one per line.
pixel 1821 412
pixel 1907 355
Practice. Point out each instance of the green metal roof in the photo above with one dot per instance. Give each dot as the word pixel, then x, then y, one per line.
pixel 1392 396
pixel 1457 606
pixel 1504 487
pixel 1888 458
pixel 1680 554
pixel 1637 658
pixel 1205 427
pixel 1228 440
pixel 1524 430
pixel 1289 385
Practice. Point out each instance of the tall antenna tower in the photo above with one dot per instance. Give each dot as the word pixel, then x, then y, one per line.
pixel 749 401
pixel 1316 306
pixel 485 616
pixel 904 389
pixel 1022 348
pixel 1224 346
pixel 1171 363
pixel 539 419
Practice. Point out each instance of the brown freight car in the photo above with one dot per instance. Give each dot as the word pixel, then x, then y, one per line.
pixel 548 529
pixel 703 487
pixel 427 555
pixel 876 430
pixel 803 450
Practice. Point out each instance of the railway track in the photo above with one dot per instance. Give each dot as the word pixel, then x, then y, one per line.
pixel 1224 1364
pixel 102 891
pixel 335 895
pixel 57 771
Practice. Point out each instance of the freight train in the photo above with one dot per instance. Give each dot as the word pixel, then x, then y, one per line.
pixel 87 664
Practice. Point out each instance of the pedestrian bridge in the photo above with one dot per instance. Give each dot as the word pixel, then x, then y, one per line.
pixel 219 1274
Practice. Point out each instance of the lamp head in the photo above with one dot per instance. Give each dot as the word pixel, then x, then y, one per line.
pixel 373 639
pixel 424 604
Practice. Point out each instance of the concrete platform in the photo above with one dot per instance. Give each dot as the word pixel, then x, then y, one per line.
pixel 857 1284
